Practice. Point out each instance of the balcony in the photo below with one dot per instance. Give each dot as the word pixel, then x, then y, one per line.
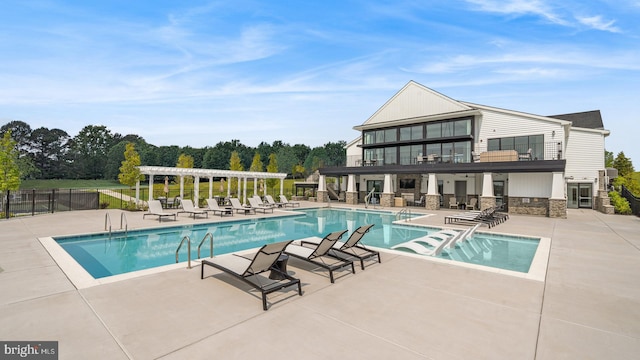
pixel 542 158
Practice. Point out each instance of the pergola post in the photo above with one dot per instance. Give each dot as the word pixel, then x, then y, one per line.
pixel 150 187
pixel 281 186
pixel 210 187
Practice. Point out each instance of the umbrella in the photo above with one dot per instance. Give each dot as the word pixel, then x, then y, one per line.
pixel 166 185
pixel 221 185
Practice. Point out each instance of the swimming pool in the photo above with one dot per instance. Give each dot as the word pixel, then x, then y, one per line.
pixel 104 255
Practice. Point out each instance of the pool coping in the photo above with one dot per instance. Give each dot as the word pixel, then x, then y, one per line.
pixel 81 278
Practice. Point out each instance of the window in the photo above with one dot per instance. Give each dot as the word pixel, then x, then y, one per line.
pixel 390 135
pixel 462 127
pixel 407 183
pixel 521 144
pixel 411 133
pixel 390 155
pixel 434 131
pixel 369 137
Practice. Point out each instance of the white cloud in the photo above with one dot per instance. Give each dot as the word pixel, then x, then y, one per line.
pixel 596 22
pixel 519 8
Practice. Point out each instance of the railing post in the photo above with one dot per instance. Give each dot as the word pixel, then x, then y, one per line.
pixel 6 209
pixel 53 200
pixel 33 202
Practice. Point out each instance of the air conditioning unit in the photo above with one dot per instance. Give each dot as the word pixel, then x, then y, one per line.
pixel 612 173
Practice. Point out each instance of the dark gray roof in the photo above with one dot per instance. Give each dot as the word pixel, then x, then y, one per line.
pixel 586 119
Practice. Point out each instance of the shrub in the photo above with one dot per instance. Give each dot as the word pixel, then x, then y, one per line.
pixel 620 204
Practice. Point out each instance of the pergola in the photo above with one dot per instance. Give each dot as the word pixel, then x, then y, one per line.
pixel 152 171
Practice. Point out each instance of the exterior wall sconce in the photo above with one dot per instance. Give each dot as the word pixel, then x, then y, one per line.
pixel 553 133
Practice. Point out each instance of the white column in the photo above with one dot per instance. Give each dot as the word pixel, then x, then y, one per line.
pixel 138 192
pixel 255 186
pixel 228 187
pixel 487 184
pixel 351 183
pixel 244 194
pixel 210 187
pixel 557 186
pixel 322 183
pixel 281 186
pixel 432 185
pixel 181 187
pixel 150 187
pixel 387 184
pixel 196 191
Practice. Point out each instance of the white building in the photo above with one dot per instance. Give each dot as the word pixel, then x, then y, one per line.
pixel 423 145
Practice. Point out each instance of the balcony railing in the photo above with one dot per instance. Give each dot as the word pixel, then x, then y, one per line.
pixel 546 151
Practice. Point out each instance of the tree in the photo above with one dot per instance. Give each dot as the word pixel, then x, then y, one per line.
pixel 623 164
pixel 49 150
pixel 236 165
pixel 129 171
pixel 185 162
pixel 90 148
pixel 256 164
pixel 297 170
pixel 286 160
pixel 608 159
pixel 272 168
pixel 9 171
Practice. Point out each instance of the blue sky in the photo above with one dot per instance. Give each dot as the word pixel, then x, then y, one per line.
pixel 199 72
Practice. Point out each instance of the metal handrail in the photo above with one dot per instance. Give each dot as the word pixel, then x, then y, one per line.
pixel 406 211
pixel 188 250
pixel 368 198
pixel 126 224
pixel 210 236
pixel 107 218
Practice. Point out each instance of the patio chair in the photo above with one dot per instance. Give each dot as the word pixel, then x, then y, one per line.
pixel 525 156
pixel 215 208
pixel 453 203
pixel 319 254
pixel 352 247
pixel 272 202
pixel 155 209
pixel 249 269
pixel 471 205
pixel 257 207
pixel 235 205
pixel 187 207
pixel 287 203
pixel 419 202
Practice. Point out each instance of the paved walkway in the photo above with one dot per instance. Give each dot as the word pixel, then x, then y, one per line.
pixel 403 308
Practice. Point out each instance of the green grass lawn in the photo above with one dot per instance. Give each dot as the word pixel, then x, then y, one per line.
pixel 69 184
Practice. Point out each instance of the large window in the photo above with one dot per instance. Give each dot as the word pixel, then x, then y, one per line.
pixel 451 128
pixel 521 144
pixel 411 133
pixel 409 153
pixel 390 155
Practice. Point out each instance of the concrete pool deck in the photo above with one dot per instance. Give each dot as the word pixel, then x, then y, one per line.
pixel 408 308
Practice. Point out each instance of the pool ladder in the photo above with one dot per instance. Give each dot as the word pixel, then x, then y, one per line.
pixel 123 219
pixel 188 240
pixel 406 212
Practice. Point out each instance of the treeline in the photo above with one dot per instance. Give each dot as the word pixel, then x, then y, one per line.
pixel 97 153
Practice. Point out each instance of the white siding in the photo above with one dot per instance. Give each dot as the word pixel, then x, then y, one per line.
pixel 415 101
pixel 496 125
pixel 354 153
pixel 530 184
pixel 584 154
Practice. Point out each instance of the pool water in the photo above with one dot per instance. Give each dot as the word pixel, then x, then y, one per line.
pixel 103 255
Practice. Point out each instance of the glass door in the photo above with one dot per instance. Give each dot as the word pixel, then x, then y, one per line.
pixel 572 196
pixel 584 193
pixel 498 192
pixel 580 195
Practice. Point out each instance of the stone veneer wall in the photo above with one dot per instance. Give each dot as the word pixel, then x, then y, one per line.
pixel 386 200
pixel 558 208
pixel 322 196
pixel 432 202
pixel 351 198
pixel 535 206
pixel 415 191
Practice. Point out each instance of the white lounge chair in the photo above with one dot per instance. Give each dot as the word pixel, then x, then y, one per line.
pixel 270 201
pixel 235 205
pixel 215 208
pixel 260 202
pixel 283 199
pixel 422 249
pixel 257 207
pixel 155 209
pixel 187 207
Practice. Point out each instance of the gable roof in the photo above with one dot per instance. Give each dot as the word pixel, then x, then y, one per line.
pixel 586 119
pixel 413 101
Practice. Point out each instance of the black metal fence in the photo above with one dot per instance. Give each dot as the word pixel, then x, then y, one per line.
pixel 634 202
pixel 32 202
